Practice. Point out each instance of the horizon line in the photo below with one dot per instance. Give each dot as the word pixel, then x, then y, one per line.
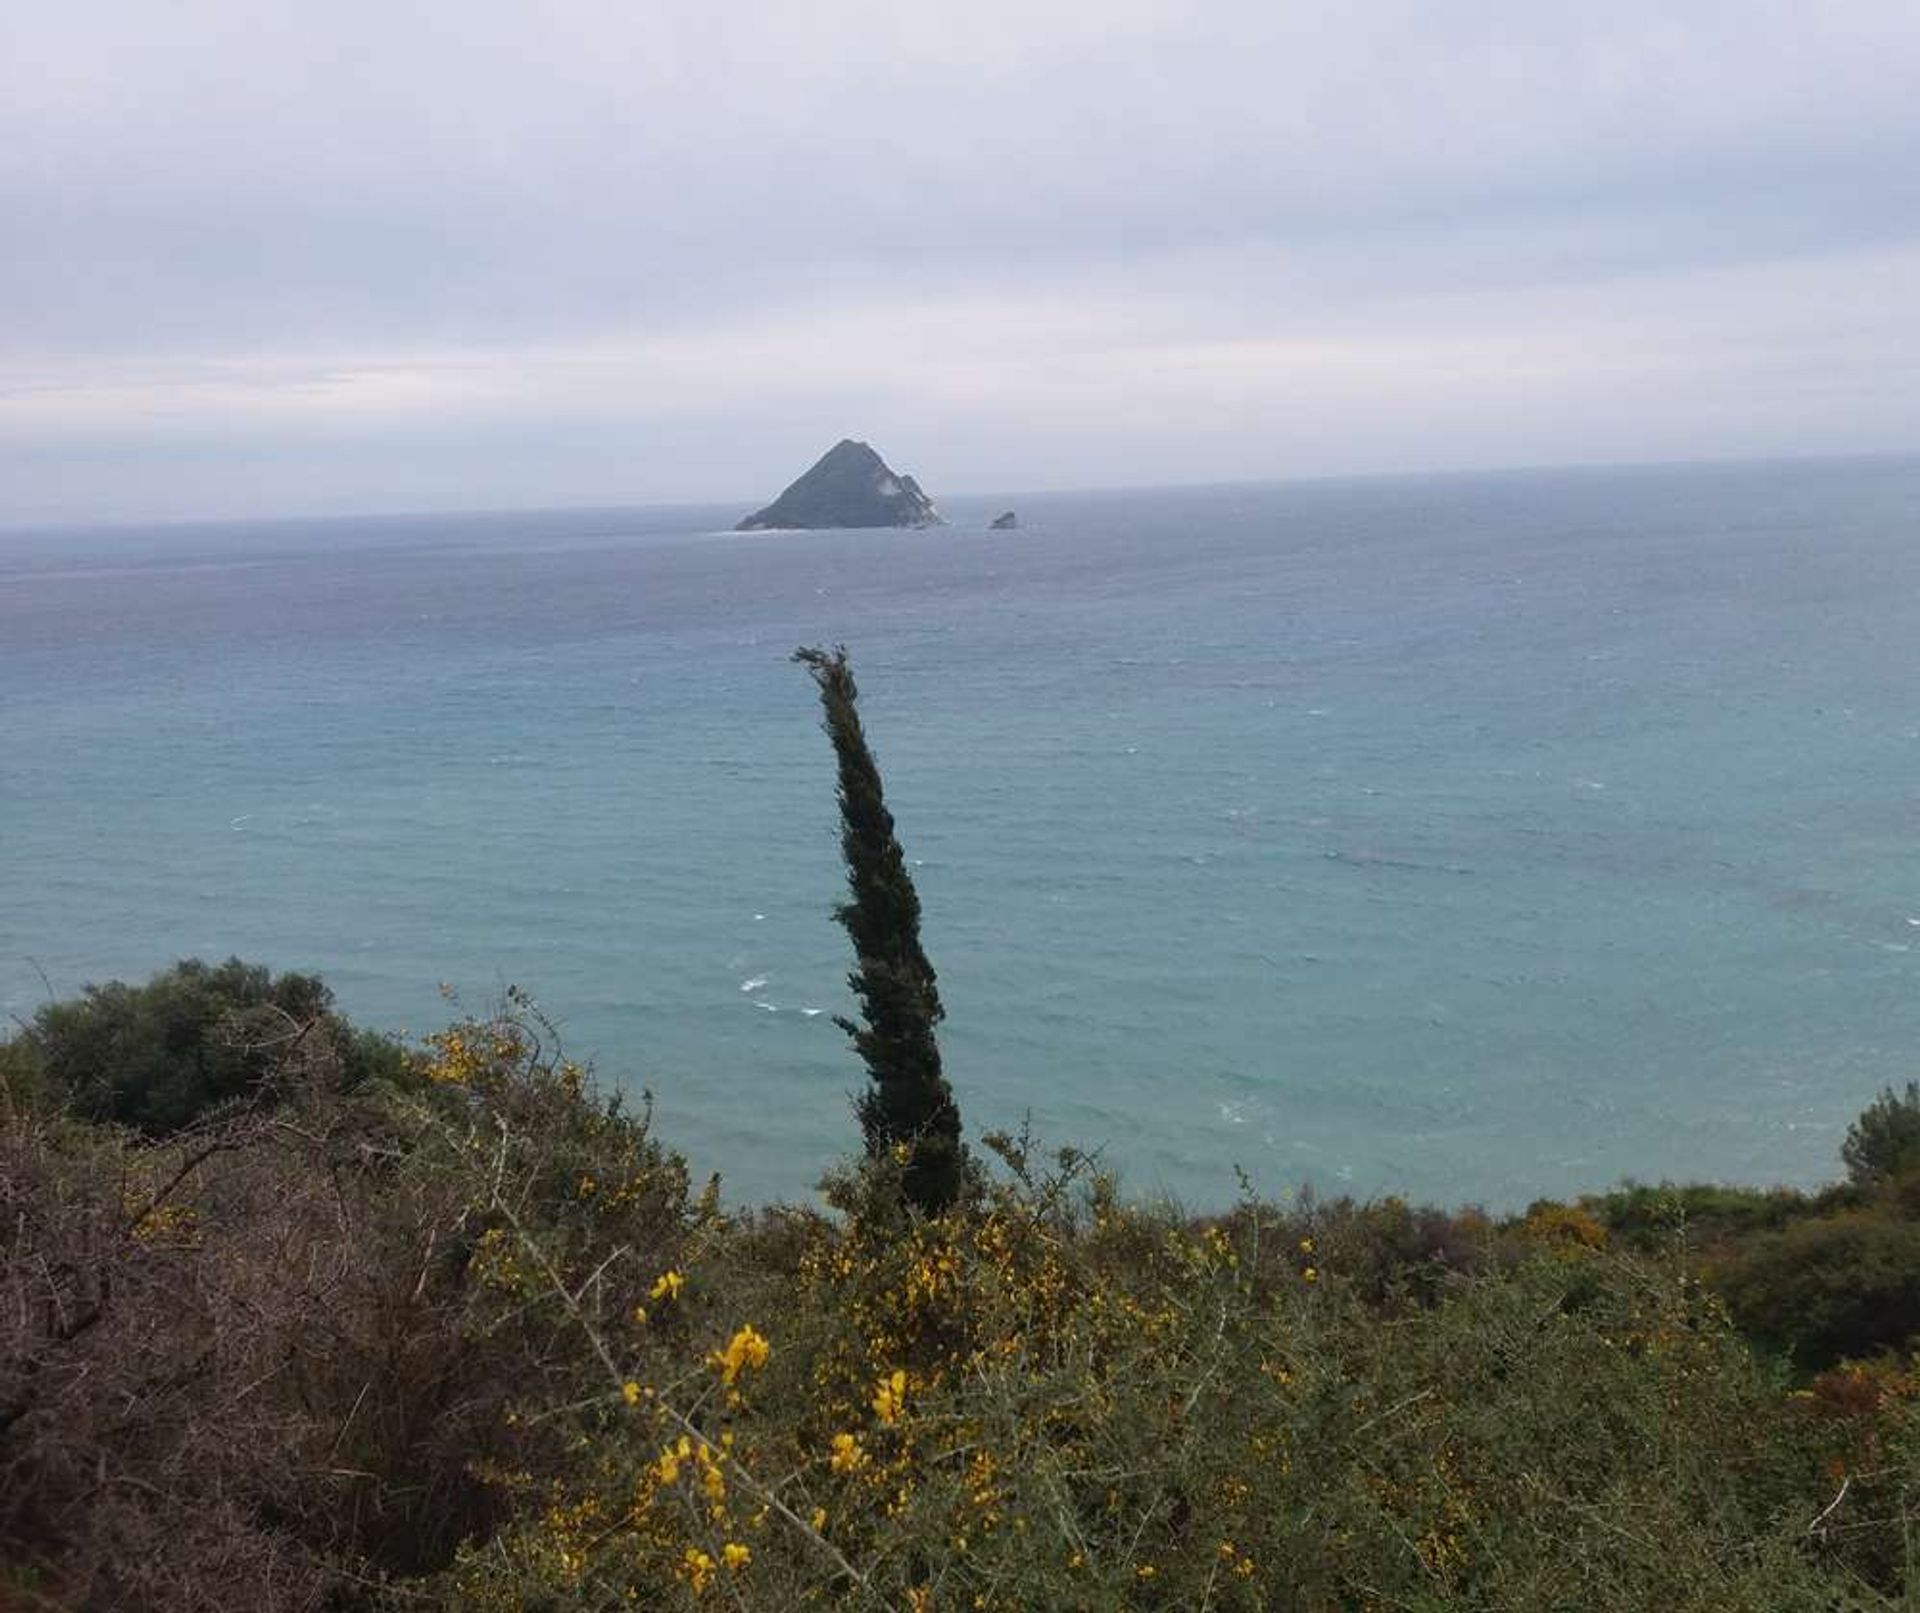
pixel 10 527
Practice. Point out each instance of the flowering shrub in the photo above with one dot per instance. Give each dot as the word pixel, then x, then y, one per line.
pixel 473 1341
pixel 1051 1398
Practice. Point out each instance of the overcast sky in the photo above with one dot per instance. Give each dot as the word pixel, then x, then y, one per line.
pixel 344 255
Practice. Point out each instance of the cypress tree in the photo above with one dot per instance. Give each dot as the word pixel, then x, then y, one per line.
pixel 908 1104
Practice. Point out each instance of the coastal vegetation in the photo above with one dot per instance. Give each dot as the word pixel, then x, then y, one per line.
pixel 294 1317
pixel 156 1057
pixel 466 1333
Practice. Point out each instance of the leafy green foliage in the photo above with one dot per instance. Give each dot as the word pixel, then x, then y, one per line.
pixel 1051 1398
pixel 1836 1286
pixel 1884 1141
pixel 1701 1214
pixel 25 1087
pixel 471 1342
pixel 909 1105
pixel 466 1339
pixel 194 1037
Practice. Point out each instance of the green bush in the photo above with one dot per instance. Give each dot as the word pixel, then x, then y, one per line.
pixel 25 1087
pixel 1702 1214
pixel 1884 1141
pixel 1820 1290
pixel 469 1341
pixel 194 1037
pixel 472 1343
pixel 1058 1400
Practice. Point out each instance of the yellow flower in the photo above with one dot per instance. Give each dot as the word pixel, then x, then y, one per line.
pixel 744 1350
pixel 696 1568
pixel 1310 1275
pixel 919 1599
pixel 848 1457
pixel 819 1519
pixel 890 1398
pixel 667 1469
pixel 668 1287
pixel 1306 1246
pixel 639 1316
pixel 630 1392
pixel 735 1555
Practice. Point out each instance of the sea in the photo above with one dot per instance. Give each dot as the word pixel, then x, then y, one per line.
pixel 1467 837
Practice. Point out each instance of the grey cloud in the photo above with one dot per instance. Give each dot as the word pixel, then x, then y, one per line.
pixel 517 211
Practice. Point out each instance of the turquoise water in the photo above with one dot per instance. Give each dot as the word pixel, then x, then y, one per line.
pixel 1471 837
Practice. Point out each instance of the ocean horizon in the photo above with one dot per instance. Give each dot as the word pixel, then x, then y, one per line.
pixel 1471 836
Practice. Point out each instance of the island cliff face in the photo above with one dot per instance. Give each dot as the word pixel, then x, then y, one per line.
pixel 850 486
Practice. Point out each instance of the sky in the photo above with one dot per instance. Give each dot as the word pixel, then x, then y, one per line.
pixel 260 257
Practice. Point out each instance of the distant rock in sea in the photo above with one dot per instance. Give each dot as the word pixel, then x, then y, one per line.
pixel 850 486
pixel 1005 522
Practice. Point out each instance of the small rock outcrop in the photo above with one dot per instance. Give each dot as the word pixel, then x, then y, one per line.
pixel 851 485
pixel 1005 522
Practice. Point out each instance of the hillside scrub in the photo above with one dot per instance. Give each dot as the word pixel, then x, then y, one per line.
pixel 468 1337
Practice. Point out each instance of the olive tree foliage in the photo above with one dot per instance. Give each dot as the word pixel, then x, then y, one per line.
pixel 1884 1141
pixel 193 1038
pixel 908 1108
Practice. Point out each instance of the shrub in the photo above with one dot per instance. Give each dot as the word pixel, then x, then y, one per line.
pixel 280 1357
pixel 1823 1289
pixel 193 1038
pixel 1563 1226
pixel 1050 1398
pixel 1884 1141
pixel 25 1087
pixel 1652 1218
pixel 472 1343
